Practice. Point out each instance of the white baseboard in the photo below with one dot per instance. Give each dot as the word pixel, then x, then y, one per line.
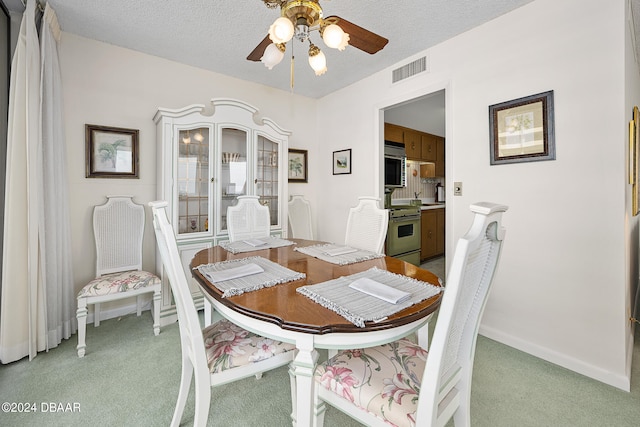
pixel 619 381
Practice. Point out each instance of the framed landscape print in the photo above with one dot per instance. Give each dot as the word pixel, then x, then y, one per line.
pixel 111 152
pixel 342 162
pixel 297 165
pixel 522 130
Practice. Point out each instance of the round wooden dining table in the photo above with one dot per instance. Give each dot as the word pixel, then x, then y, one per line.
pixel 281 313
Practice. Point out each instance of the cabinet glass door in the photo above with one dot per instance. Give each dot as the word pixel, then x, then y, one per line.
pixel 233 169
pixel 193 180
pixel 267 176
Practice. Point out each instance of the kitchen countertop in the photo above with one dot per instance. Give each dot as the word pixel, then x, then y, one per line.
pixel 432 206
pixel 427 204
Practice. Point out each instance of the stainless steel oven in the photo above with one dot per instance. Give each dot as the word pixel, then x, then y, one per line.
pixel 403 235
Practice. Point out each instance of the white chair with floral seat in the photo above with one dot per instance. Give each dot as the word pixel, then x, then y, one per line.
pixel 221 352
pixel 367 225
pixel 397 384
pixel 248 219
pixel 118 227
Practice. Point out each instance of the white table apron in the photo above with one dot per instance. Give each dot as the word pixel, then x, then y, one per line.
pixel 304 364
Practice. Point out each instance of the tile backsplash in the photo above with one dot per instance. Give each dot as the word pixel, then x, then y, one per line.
pixel 425 186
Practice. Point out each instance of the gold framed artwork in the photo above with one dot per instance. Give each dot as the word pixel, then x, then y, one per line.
pixel 634 161
pixel 522 130
pixel 111 152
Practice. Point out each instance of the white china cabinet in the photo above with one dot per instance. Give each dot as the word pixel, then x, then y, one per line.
pixel 207 156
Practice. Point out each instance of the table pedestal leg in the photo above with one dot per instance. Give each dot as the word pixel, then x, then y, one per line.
pixel 301 371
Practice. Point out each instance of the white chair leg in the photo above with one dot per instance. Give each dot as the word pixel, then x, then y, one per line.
pixel 139 305
pixel 96 315
pixel 203 400
pixel 183 391
pixel 81 316
pixel 156 311
pixel 319 409
pixel 294 400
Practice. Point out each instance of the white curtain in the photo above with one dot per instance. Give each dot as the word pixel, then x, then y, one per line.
pixel 37 303
pixel 58 290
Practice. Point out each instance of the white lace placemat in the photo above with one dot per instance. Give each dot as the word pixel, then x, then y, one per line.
pixel 272 275
pixel 254 244
pixel 338 254
pixel 358 307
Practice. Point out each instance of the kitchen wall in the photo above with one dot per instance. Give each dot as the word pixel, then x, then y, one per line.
pixel 424 187
pixel 563 289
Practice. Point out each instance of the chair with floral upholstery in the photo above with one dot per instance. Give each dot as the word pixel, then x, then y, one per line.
pixel 118 227
pixel 221 352
pixel 397 384
pixel 248 219
pixel 367 225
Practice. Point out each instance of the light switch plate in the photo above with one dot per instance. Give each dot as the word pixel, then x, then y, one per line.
pixel 457 188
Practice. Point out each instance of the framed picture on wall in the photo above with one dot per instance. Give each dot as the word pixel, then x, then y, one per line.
pixel 342 162
pixel 522 130
pixel 297 165
pixel 111 152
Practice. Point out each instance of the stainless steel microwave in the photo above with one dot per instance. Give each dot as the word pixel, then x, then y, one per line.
pixel 395 165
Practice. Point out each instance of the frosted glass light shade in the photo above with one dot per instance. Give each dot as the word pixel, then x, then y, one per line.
pixel 319 63
pixel 334 37
pixel 281 31
pixel 272 56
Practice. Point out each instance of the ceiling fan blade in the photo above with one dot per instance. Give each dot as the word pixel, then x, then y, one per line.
pixel 360 38
pixel 257 53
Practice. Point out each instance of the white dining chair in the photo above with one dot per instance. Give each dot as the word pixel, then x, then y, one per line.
pixel 367 225
pixel 299 214
pixel 397 383
pixel 248 219
pixel 221 352
pixel 118 228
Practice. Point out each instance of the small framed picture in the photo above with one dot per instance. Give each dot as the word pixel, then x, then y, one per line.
pixel 111 152
pixel 297 165
pixel 522 130
pixel 342 162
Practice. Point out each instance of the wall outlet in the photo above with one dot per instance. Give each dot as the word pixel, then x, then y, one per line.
pixel 457 188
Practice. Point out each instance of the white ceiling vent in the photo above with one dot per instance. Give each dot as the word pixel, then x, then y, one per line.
pixel 411 69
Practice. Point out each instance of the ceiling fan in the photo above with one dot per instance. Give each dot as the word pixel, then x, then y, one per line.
pixel 297 19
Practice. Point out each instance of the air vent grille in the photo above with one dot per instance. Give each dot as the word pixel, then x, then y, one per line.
pixel 411 69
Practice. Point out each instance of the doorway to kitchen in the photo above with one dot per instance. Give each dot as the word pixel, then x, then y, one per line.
pixel 420 124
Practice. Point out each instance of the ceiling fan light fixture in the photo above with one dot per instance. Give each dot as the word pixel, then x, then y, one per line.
pixel 282 30
pixel 317 60
pixel 273 54
pixel 334 37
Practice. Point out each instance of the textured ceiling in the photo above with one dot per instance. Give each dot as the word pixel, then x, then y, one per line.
pixel 218 35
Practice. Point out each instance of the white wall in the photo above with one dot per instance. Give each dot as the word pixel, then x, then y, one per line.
pixel 561 291
pixel 107 85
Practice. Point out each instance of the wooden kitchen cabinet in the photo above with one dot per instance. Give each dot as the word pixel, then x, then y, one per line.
pixel 393 133
pixel 429 147
pixel 412 144
pixel 440 156
pixel 419 146
pixel 440 231
pixel 432 227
